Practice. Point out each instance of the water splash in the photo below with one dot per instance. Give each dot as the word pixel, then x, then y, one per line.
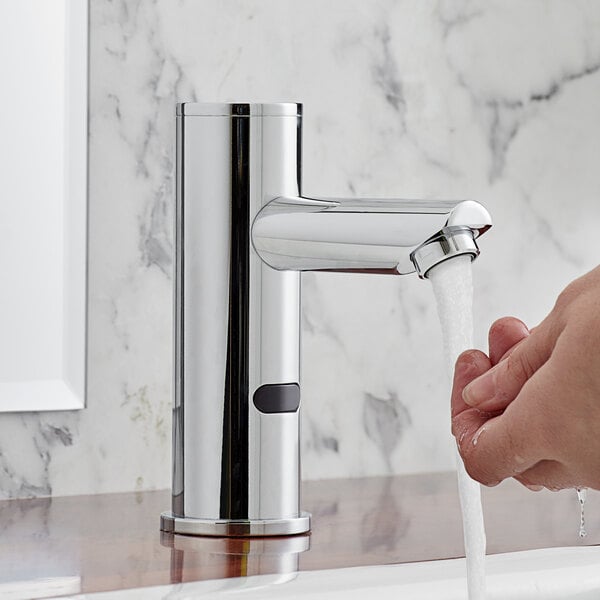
pixel 581 496
pixel 453 289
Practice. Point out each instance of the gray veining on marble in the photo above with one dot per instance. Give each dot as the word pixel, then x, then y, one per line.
pixel 384 422
pixel 493 100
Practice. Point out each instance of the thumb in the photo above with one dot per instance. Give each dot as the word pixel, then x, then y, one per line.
pixel 498 387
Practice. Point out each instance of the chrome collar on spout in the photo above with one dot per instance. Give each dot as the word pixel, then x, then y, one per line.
pixel 243 235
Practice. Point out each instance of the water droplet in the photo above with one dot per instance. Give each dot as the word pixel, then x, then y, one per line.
pixel 581 496
pixel 478 434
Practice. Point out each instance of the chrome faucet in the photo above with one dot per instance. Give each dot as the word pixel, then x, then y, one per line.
pixel 243 235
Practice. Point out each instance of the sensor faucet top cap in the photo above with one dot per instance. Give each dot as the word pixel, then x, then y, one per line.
pixel 239 109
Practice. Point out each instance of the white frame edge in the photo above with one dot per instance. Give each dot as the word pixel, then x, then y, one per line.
pixel 68 390
pixel 73 389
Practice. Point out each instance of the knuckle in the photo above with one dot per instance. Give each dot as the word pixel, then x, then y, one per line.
pixel 478 469
pixel 529 482
pixel 563 299
pixel 499 325
pixel 481 475
pixel 518 367
pixel 569 295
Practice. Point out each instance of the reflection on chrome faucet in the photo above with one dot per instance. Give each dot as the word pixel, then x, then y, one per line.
pixel 243 235
pixel 218 558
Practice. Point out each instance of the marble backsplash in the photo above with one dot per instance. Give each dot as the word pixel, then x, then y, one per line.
pixel 495 101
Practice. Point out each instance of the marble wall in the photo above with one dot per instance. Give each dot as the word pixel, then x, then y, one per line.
pixel 495 100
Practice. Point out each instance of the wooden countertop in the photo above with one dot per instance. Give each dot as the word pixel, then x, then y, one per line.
pixel 112 541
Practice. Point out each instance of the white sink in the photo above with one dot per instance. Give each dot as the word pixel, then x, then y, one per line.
pixel 554 573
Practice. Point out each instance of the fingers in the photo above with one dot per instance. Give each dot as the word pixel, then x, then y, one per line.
pixel 466 421
pixel 469 365
pixel 494 451
pixel 496 446
pixel 512 443
pixel 504 335
pixel 497 388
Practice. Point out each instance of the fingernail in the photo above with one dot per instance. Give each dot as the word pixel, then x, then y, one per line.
pixel 480 390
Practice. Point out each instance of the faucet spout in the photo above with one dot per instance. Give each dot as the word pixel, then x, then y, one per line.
pixel 371 235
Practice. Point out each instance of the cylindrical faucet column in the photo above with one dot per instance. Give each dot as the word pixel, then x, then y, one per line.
pixel 237 325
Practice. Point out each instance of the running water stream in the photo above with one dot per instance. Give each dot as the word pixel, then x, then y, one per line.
pixel 453 289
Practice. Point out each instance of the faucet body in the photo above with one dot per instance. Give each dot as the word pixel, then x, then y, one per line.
pixel 243 235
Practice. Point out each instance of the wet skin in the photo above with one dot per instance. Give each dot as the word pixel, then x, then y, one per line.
pixel 531 408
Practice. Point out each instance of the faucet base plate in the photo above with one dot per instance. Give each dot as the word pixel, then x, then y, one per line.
pixel 235 528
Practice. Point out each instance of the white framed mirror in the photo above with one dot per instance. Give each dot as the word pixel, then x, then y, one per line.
pixel 43 204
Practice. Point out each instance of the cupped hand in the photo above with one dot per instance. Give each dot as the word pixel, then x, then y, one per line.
pixel 531 409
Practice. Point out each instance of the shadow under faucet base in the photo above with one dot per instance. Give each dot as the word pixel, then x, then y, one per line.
pixel 228 528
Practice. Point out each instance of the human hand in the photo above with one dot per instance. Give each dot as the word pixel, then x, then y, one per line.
pixel 531 410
